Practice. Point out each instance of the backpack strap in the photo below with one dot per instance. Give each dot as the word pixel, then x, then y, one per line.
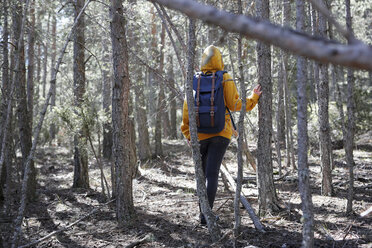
pixel 198 102
pixel 212 100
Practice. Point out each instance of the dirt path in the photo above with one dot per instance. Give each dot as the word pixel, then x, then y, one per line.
pixel 167 209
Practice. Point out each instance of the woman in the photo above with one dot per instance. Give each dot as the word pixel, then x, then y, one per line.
pixel 213 145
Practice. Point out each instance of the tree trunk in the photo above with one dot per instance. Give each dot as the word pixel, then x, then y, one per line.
pixel 45 61
pixel 302 140
pixel 173 101
pixel 243 95
pixel 31 63
pixel 53 129
pixel 201 190
pixel 350 121
pixel 81 177
pixel 290 159
pixel 324 130
pixel 106 102
pixel 38 70
pixel 125 212
pixel 4 103
pixel 23 120
pixel 267 198
pixel 160 98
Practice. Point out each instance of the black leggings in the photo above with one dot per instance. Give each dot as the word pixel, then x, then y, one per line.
pixel 212 151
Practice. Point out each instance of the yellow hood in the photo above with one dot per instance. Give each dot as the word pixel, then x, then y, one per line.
pixel 212 60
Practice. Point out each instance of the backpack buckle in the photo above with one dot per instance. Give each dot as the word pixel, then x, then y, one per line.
pixel 212 113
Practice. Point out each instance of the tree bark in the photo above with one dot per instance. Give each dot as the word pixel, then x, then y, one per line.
pixel 53 129
pixel 267 198
pixel 45 61
pixel 4 102
pixel 144 148
pixel 31 63
pixel 106 101
pixel 23 121
pixel 356 55
pixel 350 121
pixel 243 95
pixel 302 140
pixel 287 93
pixel 201 190
pixel 125 211
pixel 81 177
pixel 173 101
pixel 160 97
pixel 324 130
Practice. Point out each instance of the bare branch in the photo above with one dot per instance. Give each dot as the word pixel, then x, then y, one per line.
pixel 357 55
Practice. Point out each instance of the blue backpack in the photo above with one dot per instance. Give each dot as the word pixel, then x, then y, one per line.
pixel 209 102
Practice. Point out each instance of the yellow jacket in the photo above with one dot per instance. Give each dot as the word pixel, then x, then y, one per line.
pixel 212 61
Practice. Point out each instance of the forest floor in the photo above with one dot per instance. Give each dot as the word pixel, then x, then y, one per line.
pixel 167 207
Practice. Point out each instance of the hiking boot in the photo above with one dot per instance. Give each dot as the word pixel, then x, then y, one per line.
pixel 203 221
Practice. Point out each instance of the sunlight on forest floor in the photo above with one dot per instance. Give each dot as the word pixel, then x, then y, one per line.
pixel 167 206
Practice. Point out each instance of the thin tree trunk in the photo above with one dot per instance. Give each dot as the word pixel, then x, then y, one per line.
pixel 302 140
pixel 38 68
pixel 173 101
pixel 324 130
pixel 4 102
pixel 53 129
pixel 19 79
pixel 31 63
pixel 243 95
pixel 45 61
pixel 287 94
pixel 160 98
pixel 350 121
pixel 81 177
pixel 163 106
pixel 125 211
pixel 267 198
pixel 201 190
pixel 144 148
pixel 106 102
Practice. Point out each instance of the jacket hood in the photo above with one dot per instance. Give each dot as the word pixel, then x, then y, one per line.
pixel 212 60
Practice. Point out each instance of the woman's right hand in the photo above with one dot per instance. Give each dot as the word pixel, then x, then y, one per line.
pixel 257 90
